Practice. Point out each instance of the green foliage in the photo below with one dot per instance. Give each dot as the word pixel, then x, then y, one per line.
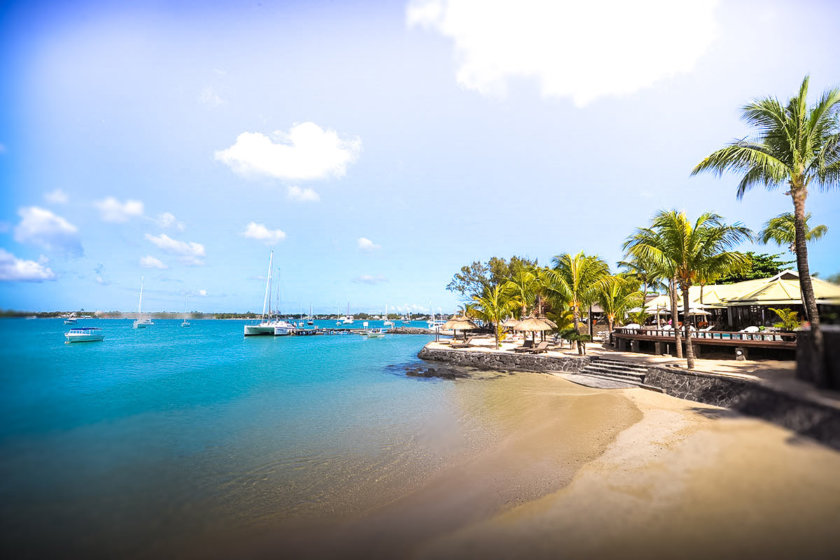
pixel 617 295
pixel 789 319
pixel 472 279
pixel 493 305
pixel 834 278
pixel 782 230
pixel 761 266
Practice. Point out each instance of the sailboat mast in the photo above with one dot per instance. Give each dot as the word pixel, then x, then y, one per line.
pixel 140 304
pixel 267 299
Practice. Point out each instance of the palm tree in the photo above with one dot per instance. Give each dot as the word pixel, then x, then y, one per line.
pixel 576 280
pixel 522 286
pixel 493 305
pixel 666 270
pixel 693 251
pixel 796 145
pixel 782 230
pixel 617 296
pixel 649 275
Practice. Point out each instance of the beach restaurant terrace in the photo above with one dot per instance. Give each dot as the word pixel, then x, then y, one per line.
pixel 738 316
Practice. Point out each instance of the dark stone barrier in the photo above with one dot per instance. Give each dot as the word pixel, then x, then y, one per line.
pixel 802 416
pixel 831 336
pixel 504 361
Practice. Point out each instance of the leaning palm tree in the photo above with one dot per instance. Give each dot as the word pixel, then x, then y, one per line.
pixel 576 280
pixel 693 251
pixel 782 230
pixel 617 296
pixel 798 146
pixel 493 305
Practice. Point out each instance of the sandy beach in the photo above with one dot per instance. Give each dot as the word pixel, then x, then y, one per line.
pixel 555 469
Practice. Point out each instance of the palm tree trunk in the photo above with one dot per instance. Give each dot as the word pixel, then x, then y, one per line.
pixel 575 318
pixel 809 301
pixel 675 316
pixel 689 348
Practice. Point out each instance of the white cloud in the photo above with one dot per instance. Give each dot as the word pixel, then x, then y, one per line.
pixel 306 152
pixel 302 195
pixel 41 227
pixel 188 252
pixel 112 210
pixel 167 220
pixel 210 98
pixel 262 233
pixel 13 269
pixel 580 50
pixel 368 279
pixel 57 196
pixel 151 262
pixel 366 244
pixel 202 292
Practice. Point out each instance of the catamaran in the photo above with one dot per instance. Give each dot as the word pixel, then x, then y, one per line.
pixel 267 325
pixel 142 321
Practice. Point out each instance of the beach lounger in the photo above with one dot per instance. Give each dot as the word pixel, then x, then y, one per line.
pixel 527 346
pixel 466 344
pixel 538 349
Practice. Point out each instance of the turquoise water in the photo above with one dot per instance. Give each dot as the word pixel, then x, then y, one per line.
pixel 163 435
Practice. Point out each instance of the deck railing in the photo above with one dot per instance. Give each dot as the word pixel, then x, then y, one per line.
pixel 761 336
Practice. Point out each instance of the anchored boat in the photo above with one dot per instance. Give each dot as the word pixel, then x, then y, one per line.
pixel 84 334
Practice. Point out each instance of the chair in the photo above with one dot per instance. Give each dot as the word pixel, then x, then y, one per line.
pixel 540 348
pixel 466 344
pixel 527 346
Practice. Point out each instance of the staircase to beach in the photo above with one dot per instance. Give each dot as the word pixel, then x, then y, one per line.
pixel 616 371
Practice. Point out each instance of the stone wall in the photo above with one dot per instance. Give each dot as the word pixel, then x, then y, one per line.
pixel 804 417
pixel 831 340
pixel 504 361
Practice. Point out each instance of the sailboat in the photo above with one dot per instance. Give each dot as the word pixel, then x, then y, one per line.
pixel 265 326
pixel 185 323
pixel 388 322
pixel 142 321
pixel 309 320
pixel 347 319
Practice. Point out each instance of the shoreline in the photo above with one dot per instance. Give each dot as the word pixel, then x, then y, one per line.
pixel 790 404
pixel 594 473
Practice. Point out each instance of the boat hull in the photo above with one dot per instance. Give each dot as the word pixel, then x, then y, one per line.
pixel 259 330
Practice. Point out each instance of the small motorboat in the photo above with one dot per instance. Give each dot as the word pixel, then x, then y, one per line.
pixel 84 334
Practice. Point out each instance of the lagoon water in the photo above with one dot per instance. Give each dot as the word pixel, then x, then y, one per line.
pixel 157 438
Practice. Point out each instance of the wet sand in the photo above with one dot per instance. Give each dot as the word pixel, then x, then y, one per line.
pixel 554 469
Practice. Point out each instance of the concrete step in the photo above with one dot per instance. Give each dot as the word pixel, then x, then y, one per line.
pixel 617 367
pixel 615 370
pixel 628 380
pixel 621 363
pixel 623 378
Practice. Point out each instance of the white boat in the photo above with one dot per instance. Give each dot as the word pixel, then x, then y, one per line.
pixel 84 334
pixel 283 328
pixel 388 322
pixel 375 333
pixel 70 320
pixel 268 325
pixel 185 323
pixel 309 320
pixel 265 326
pixel 142 321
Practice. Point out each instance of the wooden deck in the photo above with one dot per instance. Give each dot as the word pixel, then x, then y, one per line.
pixel 662 340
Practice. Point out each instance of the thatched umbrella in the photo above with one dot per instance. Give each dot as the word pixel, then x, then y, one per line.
pixel 535 324
pixel 459 323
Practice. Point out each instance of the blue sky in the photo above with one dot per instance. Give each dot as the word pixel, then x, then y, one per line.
pixel 374 146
